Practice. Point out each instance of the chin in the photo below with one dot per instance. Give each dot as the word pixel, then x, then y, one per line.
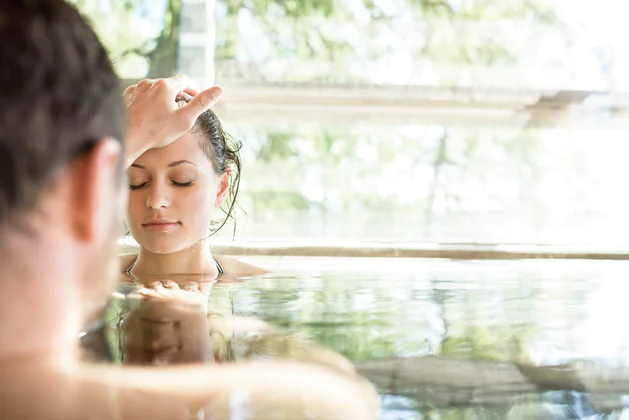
pixel 163 246
pixel 158 243
pixel 162 249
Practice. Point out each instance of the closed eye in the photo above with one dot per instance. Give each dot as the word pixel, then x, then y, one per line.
pixel 137 187
pixel 179 184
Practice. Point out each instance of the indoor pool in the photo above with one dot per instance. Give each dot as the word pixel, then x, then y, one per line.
pixel 445 339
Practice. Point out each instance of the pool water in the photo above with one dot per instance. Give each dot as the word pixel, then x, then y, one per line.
pixel 450 339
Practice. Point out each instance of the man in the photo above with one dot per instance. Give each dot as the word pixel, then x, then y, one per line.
pixel 62 122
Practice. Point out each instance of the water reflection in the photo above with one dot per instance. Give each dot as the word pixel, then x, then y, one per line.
pixel 164 322
pixel 162 333
pixel 169 324
pixel 439 339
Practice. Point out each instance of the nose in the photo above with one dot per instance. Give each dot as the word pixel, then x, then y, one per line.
pixel 159 335
pixel 158 196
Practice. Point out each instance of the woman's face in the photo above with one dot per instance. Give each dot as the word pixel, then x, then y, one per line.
pixel 166 333
pixel 173 192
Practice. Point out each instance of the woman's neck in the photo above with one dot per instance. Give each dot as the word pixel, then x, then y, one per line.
pixel 196 259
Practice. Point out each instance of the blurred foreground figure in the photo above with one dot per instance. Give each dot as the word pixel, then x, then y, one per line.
pixel 62 122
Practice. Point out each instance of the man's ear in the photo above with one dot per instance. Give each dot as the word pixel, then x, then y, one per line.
pixel 94 177
pixel 223 189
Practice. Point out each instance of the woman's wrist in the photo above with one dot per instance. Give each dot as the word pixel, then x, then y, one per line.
pixel 134 148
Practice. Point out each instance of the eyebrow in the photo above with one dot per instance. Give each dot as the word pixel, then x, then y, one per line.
pixel 179 162
pixel 170 165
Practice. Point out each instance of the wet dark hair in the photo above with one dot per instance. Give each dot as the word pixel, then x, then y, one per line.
pixel 60 95
pixel 222 150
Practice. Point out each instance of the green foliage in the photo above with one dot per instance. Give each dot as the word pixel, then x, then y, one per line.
pixel 139 45
pixel 319 30
pixel 447 29
pixel 362 173
pixel 501 344
pixel 163 58
pixel 291 8
pixel 277 147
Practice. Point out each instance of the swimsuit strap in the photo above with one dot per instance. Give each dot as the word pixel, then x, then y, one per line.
pixel 218 266
pixel 220 269
pixel 130 267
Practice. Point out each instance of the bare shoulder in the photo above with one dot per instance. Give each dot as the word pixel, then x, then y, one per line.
pixel 125 262
pixel 236 268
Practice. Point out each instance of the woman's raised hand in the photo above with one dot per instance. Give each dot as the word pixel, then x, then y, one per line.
pixel 154 117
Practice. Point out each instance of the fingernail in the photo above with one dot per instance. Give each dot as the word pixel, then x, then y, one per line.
pixel 217 91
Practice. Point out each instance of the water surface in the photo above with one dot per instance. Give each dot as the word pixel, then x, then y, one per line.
pixel 448 339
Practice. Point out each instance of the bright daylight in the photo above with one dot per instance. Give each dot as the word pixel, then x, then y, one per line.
pixel 314 209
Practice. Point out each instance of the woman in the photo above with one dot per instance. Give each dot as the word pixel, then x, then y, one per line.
pixel 174 193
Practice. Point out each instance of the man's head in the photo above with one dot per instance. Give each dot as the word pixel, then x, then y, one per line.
pixel 62 120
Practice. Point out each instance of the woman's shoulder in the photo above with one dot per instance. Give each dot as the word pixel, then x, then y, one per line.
pixel 125 261
pixel 231 266
pixel 236 268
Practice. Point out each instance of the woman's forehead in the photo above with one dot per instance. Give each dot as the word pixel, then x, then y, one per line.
pixel 185 147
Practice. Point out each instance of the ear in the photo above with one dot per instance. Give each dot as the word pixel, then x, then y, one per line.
pixel 93 197
pixel 223 188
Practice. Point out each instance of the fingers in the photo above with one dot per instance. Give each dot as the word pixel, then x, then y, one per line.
pixel 129 95
pixel 129 90
pixel 156 285
pixel 170 285
pixel 140 292
pixel 157 290
pixel 168 291
pixel 172 85
pixel 144 85
pixel 153 107
pixel 178 83
pixel 200 103
pixel 141 87
pixel 191 287
pixel 184 97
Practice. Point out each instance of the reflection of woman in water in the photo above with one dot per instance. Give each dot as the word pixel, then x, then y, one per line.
pixel 174 192
pixel 168 325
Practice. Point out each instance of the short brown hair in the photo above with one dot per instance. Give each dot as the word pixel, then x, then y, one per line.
pixel 60 95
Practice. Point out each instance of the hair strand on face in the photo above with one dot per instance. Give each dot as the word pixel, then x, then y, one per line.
pixel 223 151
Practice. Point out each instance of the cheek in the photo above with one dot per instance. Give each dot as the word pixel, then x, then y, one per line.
pixel 197 206
pixel 135 206
pixel 189 200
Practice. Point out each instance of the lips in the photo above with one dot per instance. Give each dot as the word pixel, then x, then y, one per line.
pixel 160 225
pixel 161 356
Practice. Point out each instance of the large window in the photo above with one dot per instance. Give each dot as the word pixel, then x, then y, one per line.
pixel 434 120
